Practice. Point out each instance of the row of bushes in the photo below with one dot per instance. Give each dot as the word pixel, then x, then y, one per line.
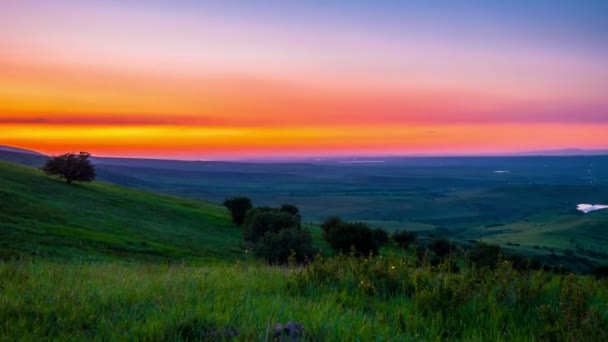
pixel 276 234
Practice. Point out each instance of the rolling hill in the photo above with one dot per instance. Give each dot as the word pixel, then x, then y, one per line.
pixel 43 216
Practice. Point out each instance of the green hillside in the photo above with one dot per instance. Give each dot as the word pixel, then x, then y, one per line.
pixel 43 216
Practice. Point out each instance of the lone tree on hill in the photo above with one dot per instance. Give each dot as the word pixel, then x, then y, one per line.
pixel 71 166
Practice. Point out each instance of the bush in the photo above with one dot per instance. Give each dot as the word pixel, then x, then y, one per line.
pixel 238 207
pixel 260 221
pixel 535 264
pixel 404 238
pixel 522 264
pixel 421 254
pixel 381 236
pixel 441 247
pixel 601 272
pixel 328 224
pixel 342 236
pixel 485 255
pixel 292 210
pixel 277 247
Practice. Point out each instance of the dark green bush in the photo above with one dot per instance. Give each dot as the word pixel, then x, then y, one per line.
pixel 404 238
pixel 276 233
pixel 238 207
pixel 277 247
pixel 521 264
pixel 328 224
pixel 260 221
pixel 421 254
pixel 292 210
pixel 601 272
pixel 342 236
pixel 441 247
pixel 381 236
pixel 486 255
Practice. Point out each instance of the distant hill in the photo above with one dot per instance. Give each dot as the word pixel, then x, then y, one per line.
pixel 23 158
pixel 565 152
pixel 44 216
pixel 19 150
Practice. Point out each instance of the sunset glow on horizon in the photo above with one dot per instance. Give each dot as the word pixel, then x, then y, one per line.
pixel 221 80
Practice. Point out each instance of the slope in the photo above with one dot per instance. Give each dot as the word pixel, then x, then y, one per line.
pixel 44 216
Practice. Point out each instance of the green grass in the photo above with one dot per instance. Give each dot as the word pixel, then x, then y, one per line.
pixel 337 299
pixel 43 216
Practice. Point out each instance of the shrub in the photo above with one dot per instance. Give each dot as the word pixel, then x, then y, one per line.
pixel 328 224
pixel 291 209
pixel 342 236
pixel 277 247
pixel 404 238
pixel 260 221
pixel 485 255
pixel 534 264
pixel 601 272
pixel 238 207
pixel 441 247
pixel 381 236
pixel 521 264
pixel 518 262
pixel 421 254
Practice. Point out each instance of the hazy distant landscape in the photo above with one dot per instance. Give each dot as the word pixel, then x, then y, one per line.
pixel 531 209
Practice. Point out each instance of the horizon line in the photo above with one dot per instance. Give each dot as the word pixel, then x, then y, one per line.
pixel 348 157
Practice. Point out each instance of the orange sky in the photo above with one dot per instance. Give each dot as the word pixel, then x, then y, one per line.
pixel 148 82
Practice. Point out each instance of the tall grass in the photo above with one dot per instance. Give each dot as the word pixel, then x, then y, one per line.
pixel 341 298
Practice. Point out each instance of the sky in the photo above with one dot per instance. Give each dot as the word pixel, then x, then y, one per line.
pixel 231 79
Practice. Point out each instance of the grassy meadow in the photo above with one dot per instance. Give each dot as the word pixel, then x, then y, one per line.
pixel 342 298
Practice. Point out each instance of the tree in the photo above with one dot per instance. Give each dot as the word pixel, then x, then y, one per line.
pixel 238 207
pixel 71 166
